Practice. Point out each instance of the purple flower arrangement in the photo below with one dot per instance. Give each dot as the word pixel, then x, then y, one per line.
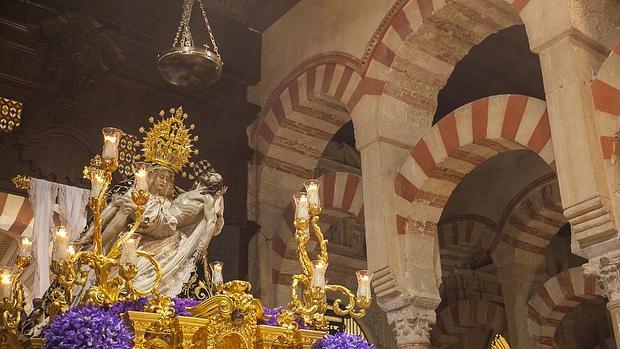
pixel 343 340
pixel 97 327
pixel 181 304
pixel 88 327
pixel 272 316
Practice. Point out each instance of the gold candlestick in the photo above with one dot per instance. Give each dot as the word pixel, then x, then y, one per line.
pixel 12 302
pixel 311 284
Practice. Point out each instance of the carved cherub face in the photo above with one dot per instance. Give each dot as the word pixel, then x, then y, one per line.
pixel 161 182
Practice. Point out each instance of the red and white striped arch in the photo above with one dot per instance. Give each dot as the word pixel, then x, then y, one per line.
pixel 554 299
pixel 532 220
pixel 16 219
pixel 306 110
pixel 461 236
pixel 606 97
pixel 526 227
pixel 317 97
pixel 16 216
pixel 340 191
pixel 456 319
pixel 473 19
pixel 417 57
pixel 457 144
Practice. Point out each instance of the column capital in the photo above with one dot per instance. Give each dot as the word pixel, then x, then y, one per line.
pixel 607 269
pixel 412 325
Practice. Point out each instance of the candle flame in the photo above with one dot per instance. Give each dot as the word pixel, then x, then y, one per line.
pixel 5 278
pixel 61 233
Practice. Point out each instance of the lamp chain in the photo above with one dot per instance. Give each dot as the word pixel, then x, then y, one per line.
pixel 204 15
pixel 183 36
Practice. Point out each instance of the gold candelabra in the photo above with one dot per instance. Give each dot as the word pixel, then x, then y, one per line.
pixel 310 284
pixel 113 271
pixel 12 297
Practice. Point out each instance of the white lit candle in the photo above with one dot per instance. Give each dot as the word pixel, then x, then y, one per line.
pixel 61 242
pixel 129 252
pixel 216 272
pixel 301 209
pixel 111 139
pixel 318 274
pixel 312 188
pixel 140 174
pixel 96 183
pixel 72 249
pixel 6 283
pixel 25 247
pixel 363 283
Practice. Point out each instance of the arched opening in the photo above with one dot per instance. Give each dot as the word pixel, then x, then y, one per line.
pixel 482 221
pixel 501 63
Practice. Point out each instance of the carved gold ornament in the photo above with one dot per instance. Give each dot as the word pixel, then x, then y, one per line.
pixel 168 142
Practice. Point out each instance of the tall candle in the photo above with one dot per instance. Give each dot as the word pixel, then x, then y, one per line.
pixel 301 202
pixel 363 283
pixel 6 283
pixel 129 252
pixel 25 247
pixel 318 274
pixel 111 139
pixel 312 188
pixel 61 242
pixel 216 272
pixel 140 174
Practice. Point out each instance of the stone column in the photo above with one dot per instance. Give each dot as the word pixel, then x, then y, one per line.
pixel 607 269
pixel 516 280
pixel 572 39
pixel 571 52
pixel 412 326
pixel 385 131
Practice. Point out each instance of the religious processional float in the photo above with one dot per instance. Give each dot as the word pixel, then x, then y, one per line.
pixel 117 286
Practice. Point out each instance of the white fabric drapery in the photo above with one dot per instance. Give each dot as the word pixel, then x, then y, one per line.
pixel 43 198
pixel 72 211
pixel 72 208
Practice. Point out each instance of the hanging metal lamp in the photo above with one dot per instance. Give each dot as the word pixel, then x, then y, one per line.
pixel 188 65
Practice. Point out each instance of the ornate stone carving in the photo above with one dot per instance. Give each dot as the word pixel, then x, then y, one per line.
pixel 607 269
pixel 412 324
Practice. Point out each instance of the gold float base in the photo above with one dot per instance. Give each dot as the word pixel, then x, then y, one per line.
pixel 266 337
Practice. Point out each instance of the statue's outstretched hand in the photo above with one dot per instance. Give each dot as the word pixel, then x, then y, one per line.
pixel 117 200
pixel 223 190
pixel 127 206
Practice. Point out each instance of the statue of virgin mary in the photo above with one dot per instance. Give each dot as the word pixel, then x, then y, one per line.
pixel 176 229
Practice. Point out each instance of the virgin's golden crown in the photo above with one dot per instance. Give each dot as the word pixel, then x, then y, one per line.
pixel 168 142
